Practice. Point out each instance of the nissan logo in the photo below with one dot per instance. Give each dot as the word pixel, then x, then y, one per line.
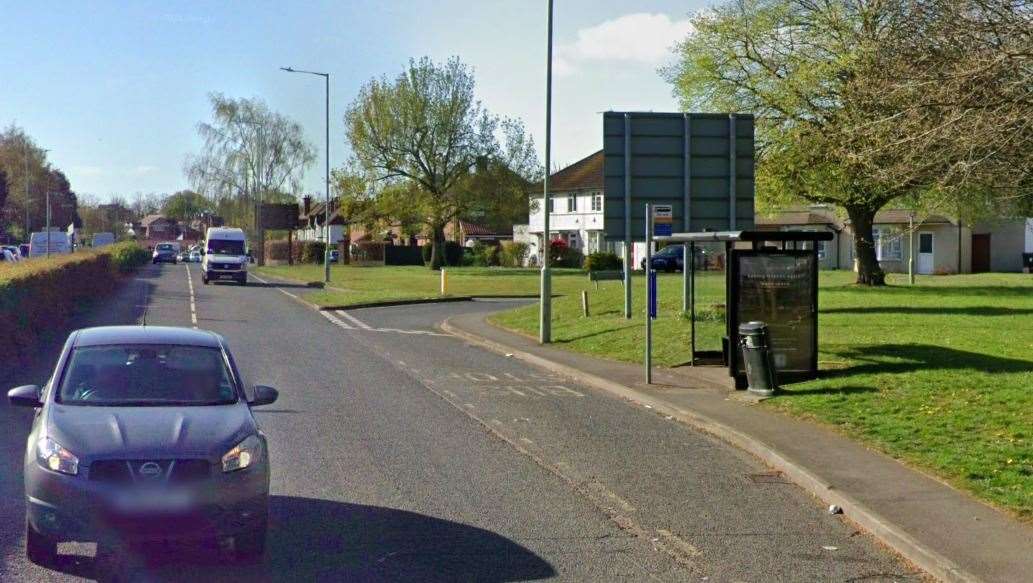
pixel 149 470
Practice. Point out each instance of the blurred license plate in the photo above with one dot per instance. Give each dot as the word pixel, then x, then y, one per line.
pixel 154 501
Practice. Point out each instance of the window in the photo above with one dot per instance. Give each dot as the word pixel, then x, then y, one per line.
pixel 888 244
pixel 148 374
pixel 552 204
pixel 571 204
pixel 597 202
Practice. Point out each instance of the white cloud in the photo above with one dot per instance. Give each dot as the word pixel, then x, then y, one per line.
pixel 143 169
pixel 640 38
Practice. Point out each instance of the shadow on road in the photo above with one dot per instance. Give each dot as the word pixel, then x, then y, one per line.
pixel 322 540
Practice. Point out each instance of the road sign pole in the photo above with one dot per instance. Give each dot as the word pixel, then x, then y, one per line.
pixel 686 208
pixel 628 244
pixel 650 294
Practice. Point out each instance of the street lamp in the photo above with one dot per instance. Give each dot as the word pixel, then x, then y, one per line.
pixel 326 220
pixel 545 310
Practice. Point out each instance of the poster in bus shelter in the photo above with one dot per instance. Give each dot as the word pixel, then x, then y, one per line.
pixel 778 289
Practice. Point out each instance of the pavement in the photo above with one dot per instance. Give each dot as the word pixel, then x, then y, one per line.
pixel 401 453
pixel 948 533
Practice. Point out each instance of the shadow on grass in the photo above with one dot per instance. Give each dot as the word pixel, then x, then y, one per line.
pixel 932 310
pixel 959 290
pixel 589 335
pixel 904 358
pixel 852 390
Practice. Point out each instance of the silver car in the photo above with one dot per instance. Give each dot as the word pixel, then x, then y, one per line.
pixel 144 434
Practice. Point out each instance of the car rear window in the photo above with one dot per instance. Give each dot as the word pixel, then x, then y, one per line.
pixel 146 375
pixel 166 247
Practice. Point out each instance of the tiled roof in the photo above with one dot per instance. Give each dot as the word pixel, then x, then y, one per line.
pixel 584 174
pixel 903 216
pixel 149 219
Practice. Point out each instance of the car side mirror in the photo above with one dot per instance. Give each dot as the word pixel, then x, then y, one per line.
pixel 264 395
pixel 25 396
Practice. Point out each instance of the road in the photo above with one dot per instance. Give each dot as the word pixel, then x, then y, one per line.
pixel 401 453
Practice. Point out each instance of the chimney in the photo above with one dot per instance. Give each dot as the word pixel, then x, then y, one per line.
pixel 306 205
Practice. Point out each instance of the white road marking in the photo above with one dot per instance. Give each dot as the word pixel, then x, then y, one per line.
pixel 335 320
pixel 354 320
pixel 193 302
pixel 358 323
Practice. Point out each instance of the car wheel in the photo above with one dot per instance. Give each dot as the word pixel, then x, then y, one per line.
pixel 250 546
pixel 39 548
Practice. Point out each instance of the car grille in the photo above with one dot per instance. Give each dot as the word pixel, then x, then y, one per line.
pixel 157 471
pixel 226 266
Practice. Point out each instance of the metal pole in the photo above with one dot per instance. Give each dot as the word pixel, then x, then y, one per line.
pixel 692 306
pixel 649 295
pixel 911 249
pixel 326 249
pixel 628 244
pixel 545 302
pixel 28 230
pixel 687 211
pixel 48 218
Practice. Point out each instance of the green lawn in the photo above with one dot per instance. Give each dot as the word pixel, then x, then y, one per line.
pixel 358 285
pixel 940 374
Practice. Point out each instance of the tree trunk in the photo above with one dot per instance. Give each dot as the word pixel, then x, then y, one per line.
pixel 437 258
pixel 868 270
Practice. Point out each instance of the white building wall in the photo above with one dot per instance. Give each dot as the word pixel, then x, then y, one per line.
pixel 337 234
pixel 580 224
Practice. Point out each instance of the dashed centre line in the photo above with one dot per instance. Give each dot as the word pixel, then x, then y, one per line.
pixel 193 301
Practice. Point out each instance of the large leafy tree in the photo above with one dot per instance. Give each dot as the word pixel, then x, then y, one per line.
pixel 186 205
pixel 863 102
pixel 422 133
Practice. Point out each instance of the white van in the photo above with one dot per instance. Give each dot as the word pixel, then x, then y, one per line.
pixel 59 243
pixel 225 255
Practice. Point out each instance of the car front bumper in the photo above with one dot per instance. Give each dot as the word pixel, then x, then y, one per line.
pixel 73 508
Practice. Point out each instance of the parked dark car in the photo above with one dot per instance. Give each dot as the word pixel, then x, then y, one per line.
pixel 145 433
pixel 672 258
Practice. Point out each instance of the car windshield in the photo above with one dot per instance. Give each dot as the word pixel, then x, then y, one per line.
pixel 165 247
pixel 224 247
pixel 672 250
pixel 146 375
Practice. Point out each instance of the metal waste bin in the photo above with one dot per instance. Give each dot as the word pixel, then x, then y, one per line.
pixel 756 356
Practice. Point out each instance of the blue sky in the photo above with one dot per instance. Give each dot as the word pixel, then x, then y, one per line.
pixel 116 89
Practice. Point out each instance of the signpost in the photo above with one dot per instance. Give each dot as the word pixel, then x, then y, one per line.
pixel 698 165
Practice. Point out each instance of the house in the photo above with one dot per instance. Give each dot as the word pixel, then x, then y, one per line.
pixel 312 219
pixel 469 232
pixel 158 227
pixel 576 207
pixel 940 244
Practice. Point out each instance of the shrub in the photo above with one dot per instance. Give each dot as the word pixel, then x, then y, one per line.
pixel 277 250
pixel 513 254
pixel 602 261
pixel 313 251
pixel 561 255
pixel 127 256
pixel 482 255
pixel 38 297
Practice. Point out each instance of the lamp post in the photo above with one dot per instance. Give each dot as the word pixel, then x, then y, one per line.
pixel 545 310
pixel 326 220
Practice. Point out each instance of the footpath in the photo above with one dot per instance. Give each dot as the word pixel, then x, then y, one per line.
pixel 945 532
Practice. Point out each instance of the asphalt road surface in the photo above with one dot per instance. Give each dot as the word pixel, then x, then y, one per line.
pixel 401 453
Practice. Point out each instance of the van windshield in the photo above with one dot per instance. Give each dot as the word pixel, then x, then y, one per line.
pixel 225 247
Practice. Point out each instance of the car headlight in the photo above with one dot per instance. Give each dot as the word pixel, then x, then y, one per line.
pixel 52 456
pixel 243 455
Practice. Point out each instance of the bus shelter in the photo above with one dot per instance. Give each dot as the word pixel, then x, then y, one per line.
pixel 772 277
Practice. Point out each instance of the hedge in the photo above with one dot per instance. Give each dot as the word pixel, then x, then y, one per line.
pixel 40 295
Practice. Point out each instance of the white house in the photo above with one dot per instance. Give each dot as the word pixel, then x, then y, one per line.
pixel 576 201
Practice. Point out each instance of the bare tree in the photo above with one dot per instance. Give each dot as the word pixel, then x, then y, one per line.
pixel 249 152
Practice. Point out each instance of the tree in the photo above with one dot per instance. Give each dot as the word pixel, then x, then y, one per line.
pixel 422 132
pixel 863 102
pixel 27 169
pixel 250 154
pixel 186 205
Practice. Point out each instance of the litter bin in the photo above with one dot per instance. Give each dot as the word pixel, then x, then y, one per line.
pixel 1027 262
pixel 756 355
